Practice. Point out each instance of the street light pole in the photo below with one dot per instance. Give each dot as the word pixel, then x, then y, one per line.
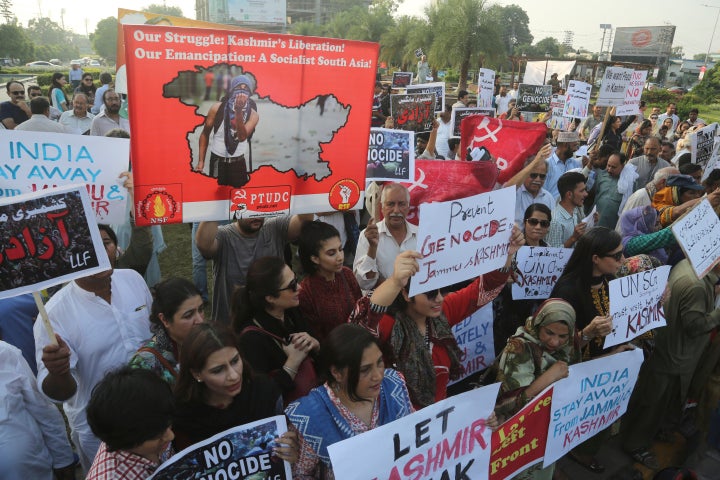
pixel 713 32
pixel 547 59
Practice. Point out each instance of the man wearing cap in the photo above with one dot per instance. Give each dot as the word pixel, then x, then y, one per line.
pixel 649 163
pixel 232 122
pixel 16 110
pixel 562 160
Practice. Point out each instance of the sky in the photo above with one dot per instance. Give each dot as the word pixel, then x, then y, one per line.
pixel 548 18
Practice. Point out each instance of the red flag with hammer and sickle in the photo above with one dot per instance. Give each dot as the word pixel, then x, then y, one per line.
pixel 509 142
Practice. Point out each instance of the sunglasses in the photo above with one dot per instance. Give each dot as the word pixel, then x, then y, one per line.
pixel 433 294
pixel 536 175
pixel 293 285
pixel 616 256
pixel 534 222
pixel 653 117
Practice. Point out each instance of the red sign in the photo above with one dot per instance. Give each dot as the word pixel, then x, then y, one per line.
pixel 641 38
pixel 443 180
pixel 509 142
pixel 213 111
pixel 520 441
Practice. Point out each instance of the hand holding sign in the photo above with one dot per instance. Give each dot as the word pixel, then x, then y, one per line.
pixel 406 266
pixel 598 327
pixel 56 357
pixel 517 240
pixel 287 447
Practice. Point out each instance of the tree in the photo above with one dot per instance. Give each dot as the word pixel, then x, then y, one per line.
pixel 44 31
pixel 14 43
pixel 677 52
pixel 513 23
pixel 547 45
pixel 463 31
pixel 397 45
pixel 699 57
pixel 308 29
pixel 104 39
pixel 6 11
pixel 164 10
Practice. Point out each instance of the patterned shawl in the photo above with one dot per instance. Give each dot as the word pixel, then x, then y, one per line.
pixel 414 359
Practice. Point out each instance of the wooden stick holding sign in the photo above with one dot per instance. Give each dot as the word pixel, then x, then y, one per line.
pixel 45 319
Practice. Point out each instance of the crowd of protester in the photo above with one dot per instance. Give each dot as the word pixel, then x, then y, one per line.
pixel 341 347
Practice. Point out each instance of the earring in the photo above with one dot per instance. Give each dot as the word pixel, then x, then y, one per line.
pixel 198 379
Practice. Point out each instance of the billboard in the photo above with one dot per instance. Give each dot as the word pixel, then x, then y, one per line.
pixel 247 11
pixel 642 44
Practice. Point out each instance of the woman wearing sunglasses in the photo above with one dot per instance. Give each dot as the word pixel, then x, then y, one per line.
pixel 596 259
pixel 510 314
pixel 416 331
pixel 273 335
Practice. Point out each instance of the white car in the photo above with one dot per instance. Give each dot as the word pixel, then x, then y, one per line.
pixel 42 64
pixel 94 63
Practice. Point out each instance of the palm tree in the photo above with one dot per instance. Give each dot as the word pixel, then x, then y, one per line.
pixel 396 44
pixel 463 31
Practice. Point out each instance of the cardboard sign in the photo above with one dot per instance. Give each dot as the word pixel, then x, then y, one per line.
pixel 190 153
pixel 519 443
pixel 474 336
pixel 615 83
pixel 36 161
pixel 538 270
pixel 448 439
pixel 413 112
pixel 486 88
pixel 391 155
pixel 463 238
pixel 437 89
pixel 533 98
pixel 460 113
pixel 48 237
pixel 702 143
pixel 697 232
pixel 401 79
pixel 577 99
pixel 631 104
pixel 557 121
pixel 590 399
pixel 509 142
pixel 635 304
pixel 240 452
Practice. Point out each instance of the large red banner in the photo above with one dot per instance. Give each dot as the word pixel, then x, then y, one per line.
pixel 218 114
pixel 509 142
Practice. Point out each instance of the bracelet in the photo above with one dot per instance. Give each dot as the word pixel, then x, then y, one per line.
pixel 584 337
pixel 504 269
pixel 289 370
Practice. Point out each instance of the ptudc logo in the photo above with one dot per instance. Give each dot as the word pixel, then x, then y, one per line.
pixel 344 194
pixel 641 38
pixel 159 205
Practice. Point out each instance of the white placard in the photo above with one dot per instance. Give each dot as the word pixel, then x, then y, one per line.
pixel 698 232
pixel 557 121
pixel 589 400
pixel 461 239
pixel 538 270
pixel 577 99
pixel 589 221
pixel 406 447
pixel 702 143
pixel 614 85
pixel 486 87
pixel 631 104
pixel 635 304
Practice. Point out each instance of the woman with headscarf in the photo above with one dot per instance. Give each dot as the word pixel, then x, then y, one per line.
pixel 534 358
pixel 639 233
pixel 637 142
pixel 681 194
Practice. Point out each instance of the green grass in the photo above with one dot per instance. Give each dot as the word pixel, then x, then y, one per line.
pixel 710 113
pixel 176 260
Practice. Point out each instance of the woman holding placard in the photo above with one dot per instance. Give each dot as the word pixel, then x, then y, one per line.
pixel 359 394
pixel 216 390
pixel 416 331
pixel 534 358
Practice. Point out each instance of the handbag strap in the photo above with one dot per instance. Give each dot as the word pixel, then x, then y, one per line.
pixel 164 361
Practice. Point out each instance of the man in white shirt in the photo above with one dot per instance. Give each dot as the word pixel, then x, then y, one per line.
pixel 669 113
pixel 381 242
pixel 77 120
pixel 501 100
pixel 40 120
pixel 109 118
pixel 100 321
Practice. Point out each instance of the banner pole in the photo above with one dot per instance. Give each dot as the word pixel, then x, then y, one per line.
pixel 45 318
